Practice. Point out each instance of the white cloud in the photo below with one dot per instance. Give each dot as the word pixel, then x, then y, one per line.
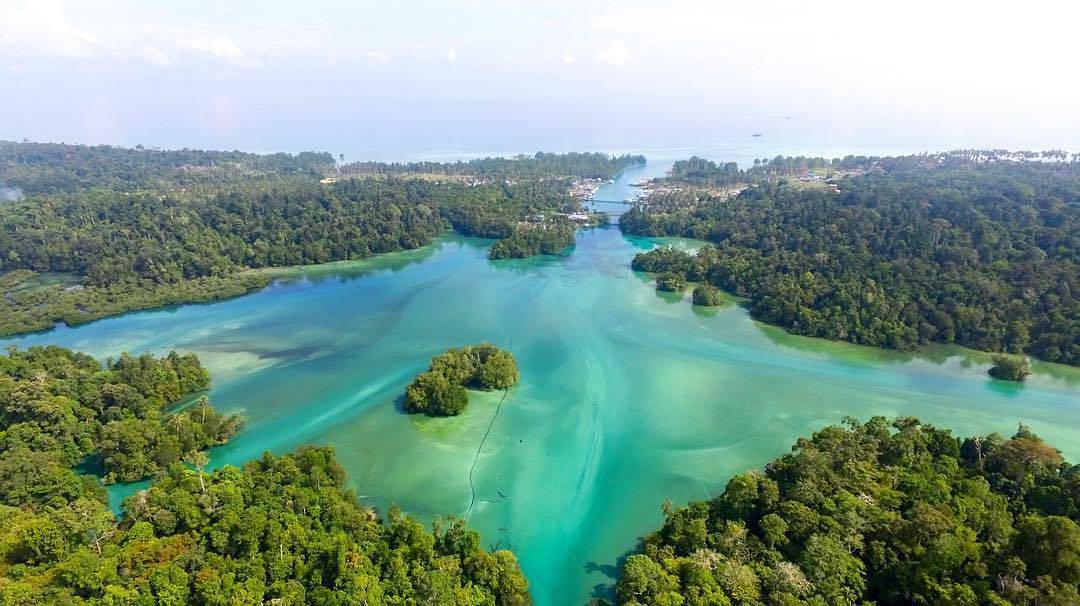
pixel 221 48
pixel 378 57
pixel 844 57
pixel 41 28
pixel 155 56
pixel 615 54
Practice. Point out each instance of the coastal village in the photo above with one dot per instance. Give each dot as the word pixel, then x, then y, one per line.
pixel 586 188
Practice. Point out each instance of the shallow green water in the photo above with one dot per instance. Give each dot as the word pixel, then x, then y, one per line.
pixel 627 397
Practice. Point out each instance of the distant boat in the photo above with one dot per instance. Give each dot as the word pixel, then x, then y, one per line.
pixel 757 134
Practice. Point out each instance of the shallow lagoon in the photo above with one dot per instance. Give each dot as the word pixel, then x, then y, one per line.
pixel 628 397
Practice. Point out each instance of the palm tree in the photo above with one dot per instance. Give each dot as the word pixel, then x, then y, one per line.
pixel 199 460
pixel 177 422
pixel 204 404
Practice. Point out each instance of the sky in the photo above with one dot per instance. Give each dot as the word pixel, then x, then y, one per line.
pixel 405 79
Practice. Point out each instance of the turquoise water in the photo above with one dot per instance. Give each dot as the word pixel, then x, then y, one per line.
pixel 628 397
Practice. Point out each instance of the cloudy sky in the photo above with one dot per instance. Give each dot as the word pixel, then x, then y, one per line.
pixel 409 77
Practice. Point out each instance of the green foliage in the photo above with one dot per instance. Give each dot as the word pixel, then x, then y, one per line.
pixel 54 168
pixel 588 165
pixel 60 407
pixel 528 240
pixel 1010 368
pixel 699 171
pixel 707 295
pixel 670 282
pixel 135 229
pixel 434 394
pixel 39 307
pixel 870 513
pixel 281 531
pixel 904 251
pixel 111 236
pixel 441 390
pixel 663 259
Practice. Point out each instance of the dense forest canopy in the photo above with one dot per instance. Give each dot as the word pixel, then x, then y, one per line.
pixel 60 408
pixel 57 168
pixel 956 249
pixel 868 513
pixel 138 228
pixel 283 530
pixel 700 171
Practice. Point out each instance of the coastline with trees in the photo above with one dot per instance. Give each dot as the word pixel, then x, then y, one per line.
pixel 282 529
pixel 100 230
pixel 973 248
pixel 889 513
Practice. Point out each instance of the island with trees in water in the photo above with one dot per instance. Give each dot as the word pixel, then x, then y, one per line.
pixel 976 248
pixel 442 390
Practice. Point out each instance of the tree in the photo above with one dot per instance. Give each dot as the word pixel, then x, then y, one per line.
pixel 499 371
pixel 199 460
pixel 433 394
pixel 707 295
pixel 1050 545
pixel 1008 368
pixel 670 281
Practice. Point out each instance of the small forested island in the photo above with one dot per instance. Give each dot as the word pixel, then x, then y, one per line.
pixel 282 530
pixel 979 247
pixel 1010 368
pixel 441 390
pixel 873 513
pixel 100 230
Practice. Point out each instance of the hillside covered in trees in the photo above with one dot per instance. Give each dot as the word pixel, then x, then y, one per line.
pixel 103 230
pixel 868 513
pixel 282 530
pixel 952 248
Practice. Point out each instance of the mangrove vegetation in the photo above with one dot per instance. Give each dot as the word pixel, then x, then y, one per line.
pixel 442 389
